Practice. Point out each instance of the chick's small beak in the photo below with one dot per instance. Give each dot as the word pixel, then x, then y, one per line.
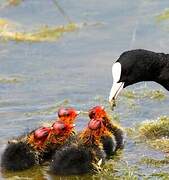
pixel 78 112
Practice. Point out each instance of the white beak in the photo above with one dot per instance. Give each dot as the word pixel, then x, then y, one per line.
pixel 115 90
pixel 117 86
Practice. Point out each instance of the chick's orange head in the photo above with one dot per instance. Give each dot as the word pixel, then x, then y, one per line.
pixel 97 112
pixel 61 128
pixel 42 132
pixel 67 115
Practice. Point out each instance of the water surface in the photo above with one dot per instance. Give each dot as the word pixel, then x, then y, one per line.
pixel 76 69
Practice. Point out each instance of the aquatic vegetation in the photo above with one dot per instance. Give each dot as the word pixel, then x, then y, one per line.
pixel 6 24
pixel 155 94
pixel 160 175
pixel 154 162
pixel 36 172
pixel 155 129
pixel 163 16
pixel 160 144
pixel 118 170
pixel 9 80
pixel 152 94
pixel 44 33
pixel 115 117
pixel 156 133
pixel 129 94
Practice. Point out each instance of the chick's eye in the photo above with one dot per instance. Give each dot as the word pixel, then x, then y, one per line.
pixel 91 115
pixel 67 114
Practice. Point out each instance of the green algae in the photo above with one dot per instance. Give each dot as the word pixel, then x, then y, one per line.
pixel 151 94
pixel 6 24
pixel 155 129
pixel 160 175
pixel 163 16
pixel 129 94
pixel 10 80
pixel 160 144
pixel 155 94
pixel 155 133
pixel 35 172
pixel 44 33
pixel 154 162
pixel 118 170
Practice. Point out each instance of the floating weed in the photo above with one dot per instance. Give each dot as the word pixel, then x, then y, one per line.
pixel 163 16
pixel 154 162
pixel 10 80
pixel 155 129
pixel 152 94
pixel 36 172
pixel 155 94
pixel 129 94
pixel 160 144
pixel 5 24
pixel 160 176
pixel 44 33
pixel 131 132
pixel 131 104
pixel 156 133
pixel 115 117
pixel 118 171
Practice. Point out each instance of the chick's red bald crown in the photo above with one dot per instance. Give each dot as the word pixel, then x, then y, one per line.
pixel 97 112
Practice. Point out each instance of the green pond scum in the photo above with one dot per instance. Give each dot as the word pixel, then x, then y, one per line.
pixel 163 16
pixel 44 33
pixel 152 162
pixel 152 94
pixel 154 129
pixel 154 132
pixel 10 80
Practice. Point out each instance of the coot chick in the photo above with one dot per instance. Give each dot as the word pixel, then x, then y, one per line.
pixel 91 147
pixel 38 145
pixel 115 140
pixel 84 155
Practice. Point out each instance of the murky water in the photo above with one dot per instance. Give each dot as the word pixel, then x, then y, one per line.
pixel 76 69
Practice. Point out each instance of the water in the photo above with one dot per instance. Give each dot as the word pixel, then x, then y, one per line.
pixel 77 67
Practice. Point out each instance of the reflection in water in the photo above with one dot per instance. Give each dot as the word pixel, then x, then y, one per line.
pixel 33 173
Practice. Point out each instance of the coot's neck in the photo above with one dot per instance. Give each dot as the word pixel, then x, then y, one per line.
pixel 163 65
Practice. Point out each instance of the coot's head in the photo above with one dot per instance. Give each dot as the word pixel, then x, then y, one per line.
pixel 68 115
pixel 97 112
pixel 135 66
